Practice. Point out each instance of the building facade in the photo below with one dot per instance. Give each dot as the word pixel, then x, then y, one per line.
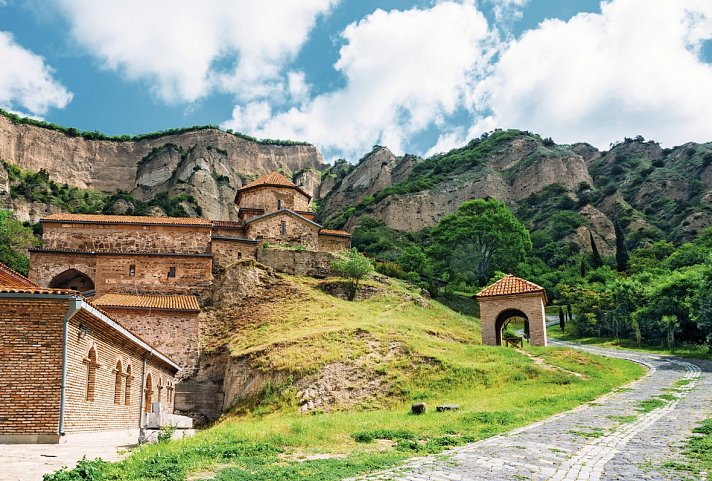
pixel 68 369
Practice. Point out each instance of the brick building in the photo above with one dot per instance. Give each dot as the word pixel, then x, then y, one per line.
pixel 69 369
pixel 148 272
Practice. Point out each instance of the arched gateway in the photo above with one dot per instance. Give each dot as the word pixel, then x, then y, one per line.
pixel 512 297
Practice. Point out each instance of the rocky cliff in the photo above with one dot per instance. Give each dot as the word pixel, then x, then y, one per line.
pixel 208 164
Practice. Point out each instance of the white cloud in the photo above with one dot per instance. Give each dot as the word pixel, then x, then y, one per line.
pixel 635 68
pixel 404 71
pixel 26 82
pixel 186 49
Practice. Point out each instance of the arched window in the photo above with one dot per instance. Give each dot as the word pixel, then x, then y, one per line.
pixel 118 383
pixel 148 394
pixel 169 393
pixel 129 377
pixel 92 365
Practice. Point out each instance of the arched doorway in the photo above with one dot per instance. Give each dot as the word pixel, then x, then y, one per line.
pixel 504 319
pixel 508 298
pixel 74 280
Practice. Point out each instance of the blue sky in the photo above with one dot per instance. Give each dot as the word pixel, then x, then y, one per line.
pixel 417 76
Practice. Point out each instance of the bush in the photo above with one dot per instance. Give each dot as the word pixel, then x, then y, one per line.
pixel 354 266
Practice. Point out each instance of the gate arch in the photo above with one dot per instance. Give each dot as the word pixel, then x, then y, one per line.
pixel 72 279
pixel 511 297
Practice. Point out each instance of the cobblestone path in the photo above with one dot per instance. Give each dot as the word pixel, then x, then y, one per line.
pixel 608 439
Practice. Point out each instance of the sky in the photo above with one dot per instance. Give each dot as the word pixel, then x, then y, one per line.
pixel 419 77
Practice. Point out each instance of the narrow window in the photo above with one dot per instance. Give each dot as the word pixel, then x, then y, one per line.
pixel 118 383
pixel 91 363
pixel 171 271
pixel 279 204
pixel 169 393
pixel 129 377
pixel 148 394
pixel 283 228
pixel 160 390
pixel 239 255
pixel 132 270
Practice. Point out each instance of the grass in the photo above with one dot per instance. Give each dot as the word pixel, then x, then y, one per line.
pixel 439 360
pixel 693 351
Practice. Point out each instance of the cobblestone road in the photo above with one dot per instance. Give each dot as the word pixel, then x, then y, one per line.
pixel 619 446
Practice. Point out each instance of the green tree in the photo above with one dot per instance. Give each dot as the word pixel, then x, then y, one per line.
pixel 414 259
pixel 480 237
pixel 596 260
pixel 353 266
pixel 621 248
pixel 15 239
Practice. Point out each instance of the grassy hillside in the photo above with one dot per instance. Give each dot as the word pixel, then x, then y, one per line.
pixel 409 350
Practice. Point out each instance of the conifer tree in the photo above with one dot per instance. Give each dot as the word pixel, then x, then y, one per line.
pixel 596 260
pixel 621 249
pixel 562 319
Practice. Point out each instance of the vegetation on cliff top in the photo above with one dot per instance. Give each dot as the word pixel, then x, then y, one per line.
pixel 411 352
pixel 96 135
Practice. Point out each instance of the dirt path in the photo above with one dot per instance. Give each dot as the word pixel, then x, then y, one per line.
pixel 609 439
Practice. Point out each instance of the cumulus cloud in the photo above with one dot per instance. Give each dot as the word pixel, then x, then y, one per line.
pixel 632 69
pixel 186 49
pixel 404 71
pixel 26 82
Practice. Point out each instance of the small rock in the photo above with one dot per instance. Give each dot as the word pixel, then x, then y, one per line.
pixel 419 408
pixel 447 407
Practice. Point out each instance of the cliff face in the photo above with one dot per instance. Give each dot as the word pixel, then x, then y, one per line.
pixel 208 164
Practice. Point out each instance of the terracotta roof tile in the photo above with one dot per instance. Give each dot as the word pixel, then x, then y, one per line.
pixel 273 178
pixel 335 232
pixel 36 290
pixel 510 285
pixel 125 219
pixel 11 278
pixel 173 303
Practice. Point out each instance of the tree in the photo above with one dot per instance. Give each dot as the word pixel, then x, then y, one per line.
pixel 562 319
pixel 354 266
pixel 414 259
pixel 15 239
pixel 596 260
pixel 621 249
pixel 480 237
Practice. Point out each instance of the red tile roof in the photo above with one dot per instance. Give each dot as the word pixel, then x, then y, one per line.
pixel 36 290
pixel 125 219
pixel 342 233
pixel 510 285
pixel 11 278
pixel 172 303
pixel 273 178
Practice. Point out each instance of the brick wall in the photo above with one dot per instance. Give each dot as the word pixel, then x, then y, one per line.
pixel 298 231
pixel 332 243
pixel 175 333
pixel 126 238
pixel 30 366
pixel 225 252
pixel 193 274
pixel 531 305
pixel 299 263
pixel 110 273
pixel 103 413
pixel 266 198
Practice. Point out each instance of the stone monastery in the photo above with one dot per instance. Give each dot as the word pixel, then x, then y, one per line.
pixel 106 324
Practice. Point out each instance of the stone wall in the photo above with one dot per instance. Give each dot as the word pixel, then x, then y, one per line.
pixel 531 305
pixel 227 251
pixel 174 333
pixel 30 368
pixel 110 272
pixel 298 263
pixel 299 232
pixel 103 413
pixel 126 238
pixel 333 243
pixel 268 198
